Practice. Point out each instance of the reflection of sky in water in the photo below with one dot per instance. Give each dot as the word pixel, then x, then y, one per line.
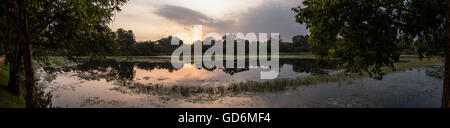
pixel 189 75
pixel 410 88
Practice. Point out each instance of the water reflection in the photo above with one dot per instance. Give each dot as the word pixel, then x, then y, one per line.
pixel 158 84
pixel 162 73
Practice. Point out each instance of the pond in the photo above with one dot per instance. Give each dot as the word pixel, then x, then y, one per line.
pixel 158 84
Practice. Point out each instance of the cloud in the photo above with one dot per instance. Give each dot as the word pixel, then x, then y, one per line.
pixel 269 17
pixel 182 15
pixel 272 17
pixel 188 17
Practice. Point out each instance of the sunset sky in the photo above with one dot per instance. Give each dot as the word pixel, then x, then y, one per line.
pixel 155 19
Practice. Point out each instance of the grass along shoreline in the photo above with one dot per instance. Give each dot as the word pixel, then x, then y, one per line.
pixel 7 99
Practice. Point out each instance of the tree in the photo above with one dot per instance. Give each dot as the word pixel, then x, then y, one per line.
pixel 126 40
pixel 70 26
pixel 165 45
pixel 301 42
pixel 5 35
pixel 363 34
pixel 145 48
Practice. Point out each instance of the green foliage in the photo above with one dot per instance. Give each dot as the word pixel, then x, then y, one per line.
pixel 126 40
pixel 301 43
pixel 39 28
pixel 4 75
pixel 146 48
pixel 364 35
pixel 149 48
pixel 8 100
pixel 74 27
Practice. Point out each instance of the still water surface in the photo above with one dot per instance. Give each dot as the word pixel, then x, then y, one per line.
pixel 97 84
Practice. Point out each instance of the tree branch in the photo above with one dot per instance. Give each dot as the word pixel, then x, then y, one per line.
pixel 39 32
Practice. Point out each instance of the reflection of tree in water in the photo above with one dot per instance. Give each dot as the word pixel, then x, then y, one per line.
pixel 109 70
pixel 160 65
pixel 299 65
pixel 95 70
pixel 125 71
pixel 233 71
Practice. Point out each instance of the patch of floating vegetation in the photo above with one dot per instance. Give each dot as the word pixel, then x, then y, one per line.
pixel 435 71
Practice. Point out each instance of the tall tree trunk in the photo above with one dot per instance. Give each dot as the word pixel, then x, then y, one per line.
pixel 446 90
pixel 15 62
pixel 31 97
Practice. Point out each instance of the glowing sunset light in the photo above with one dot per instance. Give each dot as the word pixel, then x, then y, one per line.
pixel 153 20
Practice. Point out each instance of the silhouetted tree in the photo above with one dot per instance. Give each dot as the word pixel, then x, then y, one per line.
pixel 301 42
pixel 126 39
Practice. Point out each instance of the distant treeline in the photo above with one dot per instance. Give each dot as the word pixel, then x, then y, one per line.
pixel 130 47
